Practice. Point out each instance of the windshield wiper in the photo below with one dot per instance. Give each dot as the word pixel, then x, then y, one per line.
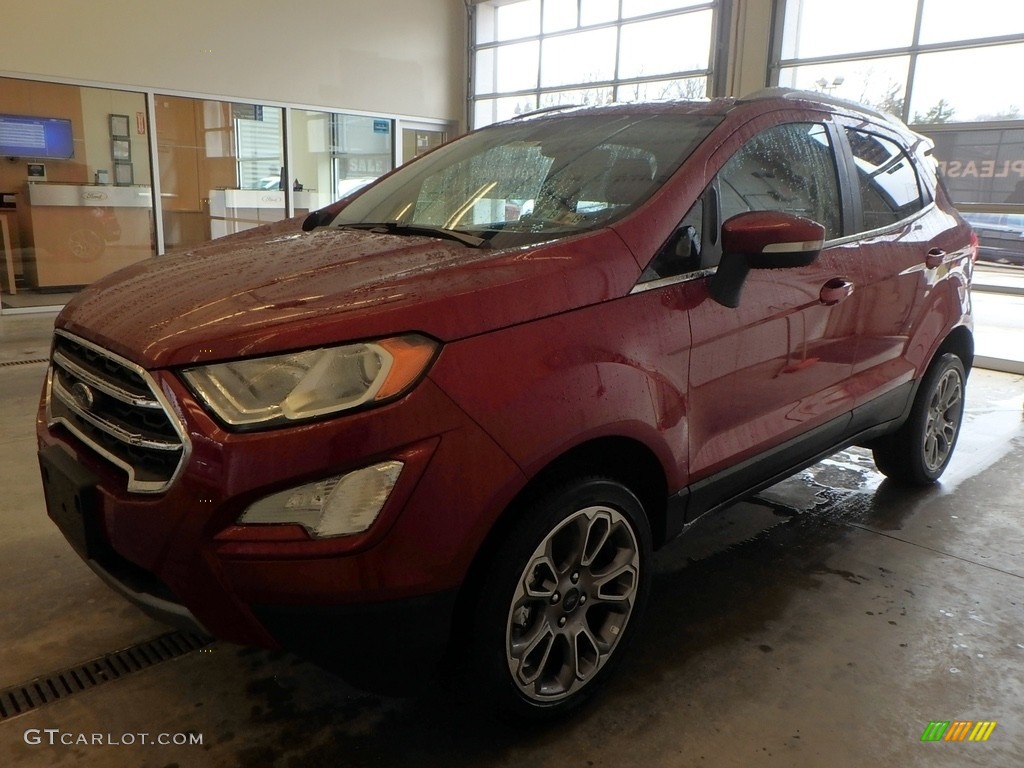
pixel 397 228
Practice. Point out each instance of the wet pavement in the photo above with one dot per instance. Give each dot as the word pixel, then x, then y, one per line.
pixel 828 621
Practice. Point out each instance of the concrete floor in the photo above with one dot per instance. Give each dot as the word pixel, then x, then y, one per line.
pixel 826 622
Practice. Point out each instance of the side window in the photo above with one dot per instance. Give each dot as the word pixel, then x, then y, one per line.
pixel 788 168
pixel 889 188
pixel 681 254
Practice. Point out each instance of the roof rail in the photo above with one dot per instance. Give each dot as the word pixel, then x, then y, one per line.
pixel 817 97
pixel 542 110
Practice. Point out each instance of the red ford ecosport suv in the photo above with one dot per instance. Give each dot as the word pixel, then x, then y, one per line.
pixel 444 423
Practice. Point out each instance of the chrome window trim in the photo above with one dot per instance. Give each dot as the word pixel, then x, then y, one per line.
pixel 663 282
pixel 867 234
pixel 845 240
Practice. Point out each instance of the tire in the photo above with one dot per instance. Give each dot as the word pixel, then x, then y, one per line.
pixel 561 601
pixel 919 451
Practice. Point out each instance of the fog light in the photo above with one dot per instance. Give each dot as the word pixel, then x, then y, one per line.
pixel 337 506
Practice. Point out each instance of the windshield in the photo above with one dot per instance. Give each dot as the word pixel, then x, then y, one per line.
pixel 529 180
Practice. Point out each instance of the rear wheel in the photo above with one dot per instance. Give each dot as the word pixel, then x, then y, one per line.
pixel 562 598
pixel 920 450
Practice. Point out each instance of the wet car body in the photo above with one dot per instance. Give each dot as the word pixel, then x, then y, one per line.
pixel 555 355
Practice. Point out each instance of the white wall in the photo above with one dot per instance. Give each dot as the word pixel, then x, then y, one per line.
pixel 749 45
pixel 97 106
pixel 401 57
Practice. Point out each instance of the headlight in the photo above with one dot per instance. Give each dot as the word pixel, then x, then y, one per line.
pixel 269 391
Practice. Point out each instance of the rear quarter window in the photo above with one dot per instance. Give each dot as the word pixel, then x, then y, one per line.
pixel 887 177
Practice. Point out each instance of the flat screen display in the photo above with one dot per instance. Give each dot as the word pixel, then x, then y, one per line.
pixel 25 136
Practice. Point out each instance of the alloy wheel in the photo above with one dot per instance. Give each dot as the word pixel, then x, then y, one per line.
pixel 943 422
pixel 572 603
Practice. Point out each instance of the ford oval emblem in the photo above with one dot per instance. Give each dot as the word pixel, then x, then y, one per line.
pixel 83 395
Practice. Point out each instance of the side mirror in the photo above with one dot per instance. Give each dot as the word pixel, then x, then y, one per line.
pixel 325 215
pixel 315 219
pixel 762 240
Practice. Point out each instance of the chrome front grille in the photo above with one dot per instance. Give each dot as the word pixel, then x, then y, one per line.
pixel 116 408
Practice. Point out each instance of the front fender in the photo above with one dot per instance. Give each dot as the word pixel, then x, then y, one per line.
pixel 614 369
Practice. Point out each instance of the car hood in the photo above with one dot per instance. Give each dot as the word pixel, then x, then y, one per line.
pixel 277 288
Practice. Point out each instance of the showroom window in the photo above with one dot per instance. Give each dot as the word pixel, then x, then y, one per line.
pixel 259 145
pixel 922 60
pixel 219 164
pixel 334 155
pixel 78 198
pixel 532 54
pixel 75 193
pixel 222 164
pixel 947 70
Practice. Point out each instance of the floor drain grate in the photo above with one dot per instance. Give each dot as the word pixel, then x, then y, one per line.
pixel 19 699
pixel 8 363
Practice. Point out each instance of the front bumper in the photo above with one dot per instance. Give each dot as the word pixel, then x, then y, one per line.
pixel 181 557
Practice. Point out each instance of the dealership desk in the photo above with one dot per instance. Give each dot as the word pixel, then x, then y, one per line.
pixel 78 233
pixel 235 210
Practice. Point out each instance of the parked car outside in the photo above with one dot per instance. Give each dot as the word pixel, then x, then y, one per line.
pixel 1000 236
pixel 433 433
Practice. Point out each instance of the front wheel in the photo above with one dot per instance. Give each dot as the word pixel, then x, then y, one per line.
pixel 562 598
pixel 920 450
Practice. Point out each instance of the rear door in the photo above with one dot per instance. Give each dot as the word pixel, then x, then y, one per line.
pixel 898 256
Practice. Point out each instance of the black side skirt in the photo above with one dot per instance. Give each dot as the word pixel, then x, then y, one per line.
pixel 865 423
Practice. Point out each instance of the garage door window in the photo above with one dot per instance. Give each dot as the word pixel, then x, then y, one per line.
pixel 530 54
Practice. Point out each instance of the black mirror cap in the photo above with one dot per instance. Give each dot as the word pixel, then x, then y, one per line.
pixel 726 285
pixel 314 220
pixel 773 239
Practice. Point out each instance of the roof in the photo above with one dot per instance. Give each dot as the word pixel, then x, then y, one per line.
pixel 718 105
pixel 722 106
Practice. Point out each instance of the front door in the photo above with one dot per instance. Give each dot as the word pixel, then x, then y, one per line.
pixel 775 368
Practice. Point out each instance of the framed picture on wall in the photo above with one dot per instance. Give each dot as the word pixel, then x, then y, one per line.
pixel 119 125
pixel 124 175
pixel 120 149
pixel 36 171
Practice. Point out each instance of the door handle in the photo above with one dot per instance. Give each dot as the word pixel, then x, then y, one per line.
pixel 834 291
pixel 934 258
